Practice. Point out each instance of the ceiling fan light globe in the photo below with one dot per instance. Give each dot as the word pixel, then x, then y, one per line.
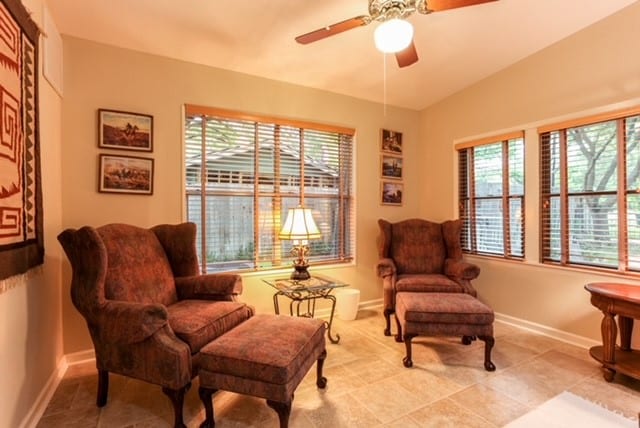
pixel 393 35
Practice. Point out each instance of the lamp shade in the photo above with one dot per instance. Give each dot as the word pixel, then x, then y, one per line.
pixel 393 35
pixel 299 225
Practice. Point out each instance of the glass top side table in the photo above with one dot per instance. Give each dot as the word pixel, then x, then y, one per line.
pixel 304 294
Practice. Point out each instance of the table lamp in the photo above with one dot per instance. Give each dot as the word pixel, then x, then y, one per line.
pixel 299 227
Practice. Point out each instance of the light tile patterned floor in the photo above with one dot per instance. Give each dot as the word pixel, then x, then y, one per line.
pixel 368 386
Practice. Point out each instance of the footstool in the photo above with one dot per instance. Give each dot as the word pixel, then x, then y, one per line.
pixel 444 314
pixel 266 356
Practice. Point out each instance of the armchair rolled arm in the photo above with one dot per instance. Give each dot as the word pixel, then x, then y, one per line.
pixel 385 267
pixel 460 269
pixel 218 286
pixel 129 322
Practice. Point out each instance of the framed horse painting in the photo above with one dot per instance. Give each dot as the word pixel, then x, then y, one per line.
pixel 125 130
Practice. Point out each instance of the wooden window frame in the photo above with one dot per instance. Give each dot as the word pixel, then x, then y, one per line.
pixel 621 192
pixel 344 198
pixel 467 195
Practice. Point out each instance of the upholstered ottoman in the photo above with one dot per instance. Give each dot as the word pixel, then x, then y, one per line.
pixel 444 314
pixel 266 356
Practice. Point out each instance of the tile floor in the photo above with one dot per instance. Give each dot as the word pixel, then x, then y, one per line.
pixel 368 386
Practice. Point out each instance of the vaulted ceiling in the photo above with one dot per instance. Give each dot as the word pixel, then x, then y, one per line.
pixel 456 47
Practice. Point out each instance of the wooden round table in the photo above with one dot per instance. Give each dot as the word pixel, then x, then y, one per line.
pixel 622 300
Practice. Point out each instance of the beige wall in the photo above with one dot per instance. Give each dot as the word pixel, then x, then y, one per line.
pixel 30 318
pixel 99 76
pixel 591 71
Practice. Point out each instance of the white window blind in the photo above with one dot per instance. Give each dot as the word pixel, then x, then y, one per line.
pixel 491 195
pixel 244 172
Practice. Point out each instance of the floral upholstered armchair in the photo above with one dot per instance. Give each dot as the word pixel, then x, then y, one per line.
pixel 421 256
pixel 148 310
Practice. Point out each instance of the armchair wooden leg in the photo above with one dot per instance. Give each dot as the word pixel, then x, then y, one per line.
pixel 387 317
pixel 321 381
pixel 399 327
pixel 205 397
pixel 283 410
pixel 103 388
pixel 177 399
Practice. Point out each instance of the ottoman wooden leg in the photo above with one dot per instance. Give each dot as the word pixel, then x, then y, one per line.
pixel 283 410
pixel 407 343
pixel 205 396
pixel 321 381
pixel 488 345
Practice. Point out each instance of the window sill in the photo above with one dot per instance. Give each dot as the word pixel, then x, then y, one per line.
pixel 578 270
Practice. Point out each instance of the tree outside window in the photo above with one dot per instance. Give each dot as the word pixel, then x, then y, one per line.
pixel 491 196
pixel 590 208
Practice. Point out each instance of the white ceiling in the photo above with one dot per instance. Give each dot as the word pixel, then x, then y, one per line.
pixel 456 47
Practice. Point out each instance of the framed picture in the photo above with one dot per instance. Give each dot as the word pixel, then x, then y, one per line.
pixel 124 130
pixel 391 193
pixel 125 174
pixel 391 141
pixel 391 166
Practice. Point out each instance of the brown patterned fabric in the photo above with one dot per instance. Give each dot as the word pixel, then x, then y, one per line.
pixel 219 286
pixel 430 283
pixel 177 242
pixel 421 256
pixel 138 269
pixel 417 246
pixel 282 341
pixel 443 314
pixel 442 308
pixel 447 330
pixel 461 270
pixel 161 359
pixel 198 322
pixel 288 347
pixel 123 284
pixel 451 233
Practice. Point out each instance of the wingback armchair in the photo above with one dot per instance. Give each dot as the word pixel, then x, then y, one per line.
pixel 148 310
pixel 421 256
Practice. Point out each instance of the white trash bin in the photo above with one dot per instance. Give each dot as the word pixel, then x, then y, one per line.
pixel 347 301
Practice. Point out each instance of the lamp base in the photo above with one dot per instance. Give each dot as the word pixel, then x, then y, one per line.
pixel 300 273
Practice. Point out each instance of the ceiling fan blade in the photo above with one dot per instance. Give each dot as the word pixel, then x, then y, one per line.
pixel 438 5
pixel 331 30
pixel 407 56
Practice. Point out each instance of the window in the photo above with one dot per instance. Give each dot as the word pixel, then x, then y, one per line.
pixel 491 195
pixel 244 172
pixel 590 192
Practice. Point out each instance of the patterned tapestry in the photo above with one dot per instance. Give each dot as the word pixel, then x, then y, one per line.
pixel 21 234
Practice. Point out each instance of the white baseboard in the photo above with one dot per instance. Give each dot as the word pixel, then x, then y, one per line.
pixel 369 304
pixel 41 403
pixel 563 336
pixel 80 357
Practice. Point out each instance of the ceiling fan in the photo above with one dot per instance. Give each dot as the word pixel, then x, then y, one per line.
pixel 391 13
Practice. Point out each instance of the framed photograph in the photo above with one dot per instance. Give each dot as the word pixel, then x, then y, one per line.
pixel 124 130
pixel 125 174
pixel 391 141
pixel 391 193
pixel 391 166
